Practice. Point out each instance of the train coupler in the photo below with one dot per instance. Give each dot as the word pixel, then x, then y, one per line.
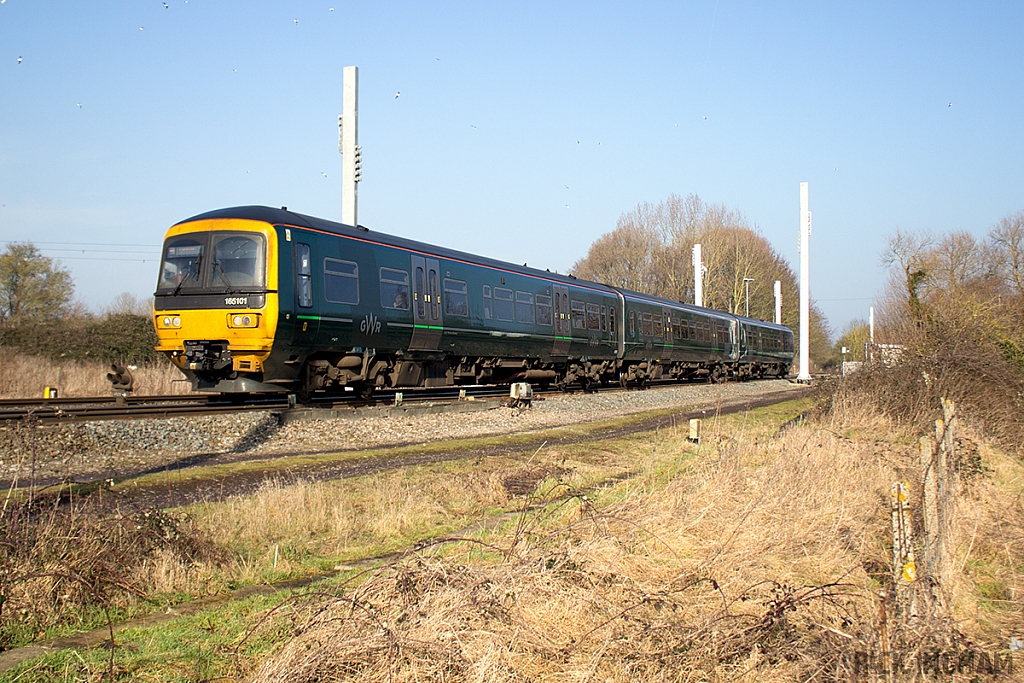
pixel 207 356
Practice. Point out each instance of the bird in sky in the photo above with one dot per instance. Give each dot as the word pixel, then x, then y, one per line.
pixel 234 71
pixel 705 118
pixel 79 105
pixel 296 22
pixel 323 174
pixel 19 59
pixel 472 126
pixel 565 186
pixel 142 28
pixel 166 6
pixel 330 9
pixel 398 94
pixel 949 105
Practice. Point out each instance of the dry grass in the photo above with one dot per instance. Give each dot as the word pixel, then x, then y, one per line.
pixel 758 561
pixel 24 376
pixel 71 561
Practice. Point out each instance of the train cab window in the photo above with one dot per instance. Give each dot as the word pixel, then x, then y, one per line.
pixel 593 317
pixel 579 315
pixel 394 289
pixel 503 308
pixel 543 309
pixel 456 297
pixel 304 275
pixel 341 281
pixel 487 302
pixel 604 318
pixel 524 308
pixel 237 261
pixel 659 330
pixel 632 324
pixel 648 325
pixel 183 260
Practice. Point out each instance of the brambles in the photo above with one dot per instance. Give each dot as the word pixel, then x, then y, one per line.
pixel 71 560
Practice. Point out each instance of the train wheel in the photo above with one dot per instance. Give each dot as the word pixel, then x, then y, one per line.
pixel 364 390
pixel 623 382
pixel 718 375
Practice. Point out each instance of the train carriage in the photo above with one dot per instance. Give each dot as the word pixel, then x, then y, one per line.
pixel 260 299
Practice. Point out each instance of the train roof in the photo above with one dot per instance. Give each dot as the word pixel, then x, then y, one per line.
pixel 761 323
pixel 298 220
pixel 285 217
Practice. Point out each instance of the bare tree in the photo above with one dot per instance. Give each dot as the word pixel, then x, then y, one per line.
pixel 127 303
pixel 650 251
pixel 1007 238
pixel 910 252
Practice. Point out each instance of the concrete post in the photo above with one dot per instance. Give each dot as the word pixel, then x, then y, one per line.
pixel 778 302
pixel 805 294
pixel 698 277
pixel 349 134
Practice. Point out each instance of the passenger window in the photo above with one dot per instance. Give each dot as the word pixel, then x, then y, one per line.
pixel 593 317
pixel 658 329
pixel 579 315
pixel 456 298
pixel 632 325
pixel 341 281
pixel 611 320
pixel 418 294
pixel 434 297
pixel 487 302
pixel 524 308
pixel 604 318
pixel 304 275
pixel 648 325
pixel 503 308
pixel 543 309
pixel 394 289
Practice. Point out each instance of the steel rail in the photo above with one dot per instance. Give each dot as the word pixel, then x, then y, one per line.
pixel 88 408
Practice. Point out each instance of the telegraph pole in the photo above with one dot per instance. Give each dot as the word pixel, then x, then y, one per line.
pixel 348 144
pixel 805 293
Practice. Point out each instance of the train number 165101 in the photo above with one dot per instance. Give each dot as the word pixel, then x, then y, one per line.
pixel 236 301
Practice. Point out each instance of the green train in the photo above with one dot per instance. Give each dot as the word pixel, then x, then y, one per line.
pixel 256 299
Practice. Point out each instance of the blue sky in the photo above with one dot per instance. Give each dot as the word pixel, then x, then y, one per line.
pixel 523 130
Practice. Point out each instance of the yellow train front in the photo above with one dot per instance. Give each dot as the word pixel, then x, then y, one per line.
pixel 216 302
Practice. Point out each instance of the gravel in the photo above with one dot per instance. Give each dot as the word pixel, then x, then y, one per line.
pixel 97 450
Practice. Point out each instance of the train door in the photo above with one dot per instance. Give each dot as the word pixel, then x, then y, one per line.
pixel 306 304
pixel 666 334
pixel 426 303
pixel 563 322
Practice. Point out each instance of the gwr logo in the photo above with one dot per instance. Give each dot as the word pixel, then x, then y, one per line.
pixel 370 324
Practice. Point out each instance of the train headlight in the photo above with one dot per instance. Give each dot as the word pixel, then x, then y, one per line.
pixel 243 320
pixel 169 321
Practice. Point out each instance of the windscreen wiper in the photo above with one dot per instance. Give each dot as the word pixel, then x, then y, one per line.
pixel 193 272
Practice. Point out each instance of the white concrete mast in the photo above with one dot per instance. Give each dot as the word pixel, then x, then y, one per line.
pixel 348 144
pixel 805 291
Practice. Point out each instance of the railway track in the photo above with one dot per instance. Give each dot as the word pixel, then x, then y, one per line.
pixel 49 411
